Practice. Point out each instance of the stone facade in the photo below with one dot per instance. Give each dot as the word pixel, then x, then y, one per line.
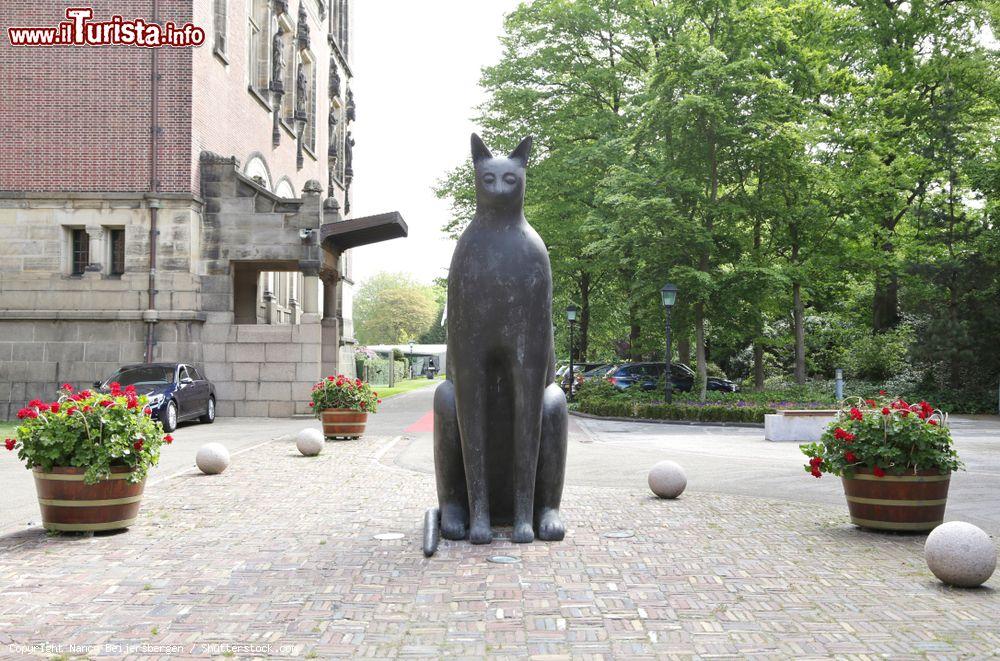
pixel 184 223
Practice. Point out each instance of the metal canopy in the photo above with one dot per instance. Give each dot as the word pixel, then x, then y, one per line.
pixel 355 232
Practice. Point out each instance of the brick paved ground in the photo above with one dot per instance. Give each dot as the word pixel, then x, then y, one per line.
pixel 278 555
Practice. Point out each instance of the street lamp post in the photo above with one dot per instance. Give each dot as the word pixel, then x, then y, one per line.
pixel 669 296
pixel 571 318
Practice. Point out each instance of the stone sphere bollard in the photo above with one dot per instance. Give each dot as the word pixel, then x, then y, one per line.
pixel 667 479
pixel 309 441
pixel 960 554
pixel 212 458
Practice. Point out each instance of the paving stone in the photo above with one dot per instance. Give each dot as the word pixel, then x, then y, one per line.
pixel 277 557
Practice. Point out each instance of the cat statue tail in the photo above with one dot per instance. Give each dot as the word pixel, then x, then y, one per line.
pixel 432 531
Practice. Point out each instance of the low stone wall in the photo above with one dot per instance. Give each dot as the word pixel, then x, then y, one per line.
pixel 262 370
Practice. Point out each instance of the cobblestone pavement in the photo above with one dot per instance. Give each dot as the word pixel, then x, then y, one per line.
pixel 278 557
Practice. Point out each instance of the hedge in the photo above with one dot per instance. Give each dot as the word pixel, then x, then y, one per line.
pixel 681 412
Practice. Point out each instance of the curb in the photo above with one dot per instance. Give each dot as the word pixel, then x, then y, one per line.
pixel 688 423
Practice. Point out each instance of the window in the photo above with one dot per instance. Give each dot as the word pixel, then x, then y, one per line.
pixel 195 374
pixel 80 251
pixel 219 11
pixel 338 137
pixel 116 239
pixel 339 23
pixel 305 99
pixel 260 45
pixel 182 374
pixel 288 98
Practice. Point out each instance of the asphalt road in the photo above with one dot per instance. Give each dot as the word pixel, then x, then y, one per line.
pixel 739 461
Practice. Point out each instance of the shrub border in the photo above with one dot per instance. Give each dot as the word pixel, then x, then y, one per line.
pixel 688 423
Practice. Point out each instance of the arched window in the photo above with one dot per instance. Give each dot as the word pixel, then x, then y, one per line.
pixel 219 11
pixel 284 189
pixel 259 29
pixel 256 169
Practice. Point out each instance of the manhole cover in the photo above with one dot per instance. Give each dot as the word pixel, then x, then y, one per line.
pixel 619 534
pixel 387 536
pixel 503 559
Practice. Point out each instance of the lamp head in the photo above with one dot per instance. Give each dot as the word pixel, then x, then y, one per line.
pixel 669 295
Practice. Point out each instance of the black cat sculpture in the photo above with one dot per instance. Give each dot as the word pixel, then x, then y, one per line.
pixel 499 420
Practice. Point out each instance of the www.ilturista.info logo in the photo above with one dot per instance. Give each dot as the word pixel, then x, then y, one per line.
pixel 79 30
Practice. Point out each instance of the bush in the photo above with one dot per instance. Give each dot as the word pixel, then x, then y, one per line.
pixel 685 411
pixel 90 430
pixel 885 437
pixel 342 392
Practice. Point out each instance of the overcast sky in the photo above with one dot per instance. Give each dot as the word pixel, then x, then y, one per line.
pixel 416 68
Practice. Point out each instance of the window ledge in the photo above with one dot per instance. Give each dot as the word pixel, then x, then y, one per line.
pixel 260 98
pixel 221 54
pixel 309 151
pixel 288 128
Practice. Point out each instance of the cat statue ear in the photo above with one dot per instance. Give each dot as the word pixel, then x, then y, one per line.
pixel 480 152
pixel 522 151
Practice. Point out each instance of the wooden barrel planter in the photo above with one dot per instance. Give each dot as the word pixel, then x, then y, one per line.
pixel 343 423
pixel 901 503
pixel 69 504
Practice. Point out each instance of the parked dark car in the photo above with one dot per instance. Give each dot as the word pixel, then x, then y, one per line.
pixel 176 391
pixel 647 376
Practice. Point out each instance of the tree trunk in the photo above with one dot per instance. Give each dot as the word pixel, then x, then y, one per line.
pixel 885 304
pixel 584 315
pixel 758 365
pixel 684 349
pixel 699 329
pixel 800 333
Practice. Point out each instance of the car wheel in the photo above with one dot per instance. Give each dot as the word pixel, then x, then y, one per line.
pixel 209 416
pixel 170 417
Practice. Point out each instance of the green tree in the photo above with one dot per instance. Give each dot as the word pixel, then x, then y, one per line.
pixel 391 308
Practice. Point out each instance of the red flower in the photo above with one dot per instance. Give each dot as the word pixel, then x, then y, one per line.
pixel 932 422
pixel 904 413
pixel 87 409
pixel 870 402
pixel 23 413
pixel 816 472
pixel 130 389
pixel 148 411
pixel 849 437
pixel 881 392
pixel 32 413
pixel 364 404
pixel 380 401
pixel 357 382
pixel 856 413
pixel 85 394
pixel 106 403
pixel 132 401
pixel 138 445
pixel 71 410
pixel 67 387
pixel 878 472
pixel 376 394
pixel 168 439
pixel 55 407
pixel 10 442
pixel 330 378
pixel 840 434
pixel 312 403
pixel 850 458
pixel 35 402
pixel 885 410
pixel 816 462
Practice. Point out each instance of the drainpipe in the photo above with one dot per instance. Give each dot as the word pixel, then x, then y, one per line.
pixel 149 315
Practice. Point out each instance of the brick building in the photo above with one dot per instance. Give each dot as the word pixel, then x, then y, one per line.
pixel 188 204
